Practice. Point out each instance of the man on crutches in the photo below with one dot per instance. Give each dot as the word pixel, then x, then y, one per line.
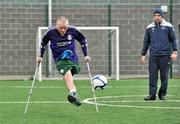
pixel 62 39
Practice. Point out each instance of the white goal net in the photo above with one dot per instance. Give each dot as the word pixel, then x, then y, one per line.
pixel 103 48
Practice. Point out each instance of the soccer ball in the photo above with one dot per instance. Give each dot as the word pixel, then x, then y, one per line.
pixel 99 82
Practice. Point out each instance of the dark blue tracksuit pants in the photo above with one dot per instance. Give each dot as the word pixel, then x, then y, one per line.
pixel 158 63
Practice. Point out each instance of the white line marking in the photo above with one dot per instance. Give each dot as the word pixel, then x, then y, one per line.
pixel 102 103
pixel 58 87
pixel 27 87
pixel 146 107
pixel 139 101
pixel 124 96
pixel 36 102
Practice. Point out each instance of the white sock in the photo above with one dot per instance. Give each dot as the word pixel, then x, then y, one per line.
pixel 73 92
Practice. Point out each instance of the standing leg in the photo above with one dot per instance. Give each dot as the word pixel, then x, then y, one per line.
pixel 153 75
pixel 153 78
pixel 164 69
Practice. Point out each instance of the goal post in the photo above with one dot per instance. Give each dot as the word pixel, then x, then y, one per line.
pixel 102 56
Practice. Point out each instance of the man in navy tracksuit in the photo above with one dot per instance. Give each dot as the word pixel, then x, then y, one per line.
pixel 161 40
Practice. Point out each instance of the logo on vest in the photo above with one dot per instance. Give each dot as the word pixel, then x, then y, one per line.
pixel 62 71
pixel 69 37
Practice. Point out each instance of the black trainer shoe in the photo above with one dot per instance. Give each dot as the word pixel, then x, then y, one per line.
pixel 74 100
pixel 149 98
pixel 162 97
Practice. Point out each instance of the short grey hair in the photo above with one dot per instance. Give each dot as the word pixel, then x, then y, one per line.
pixel 63 19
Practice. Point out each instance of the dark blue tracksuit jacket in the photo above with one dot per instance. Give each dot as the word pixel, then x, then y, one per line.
pixel 160 39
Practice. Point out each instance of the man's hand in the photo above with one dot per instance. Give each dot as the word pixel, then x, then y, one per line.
pixel 87 58
pixel 174 56
pixel 39 60
pixel 143 60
